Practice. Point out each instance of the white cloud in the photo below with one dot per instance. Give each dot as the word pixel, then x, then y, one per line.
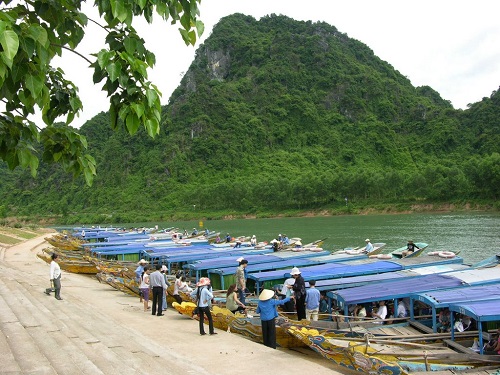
pixel 452 46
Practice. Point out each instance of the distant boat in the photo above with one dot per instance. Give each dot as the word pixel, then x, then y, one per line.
pixel 398 253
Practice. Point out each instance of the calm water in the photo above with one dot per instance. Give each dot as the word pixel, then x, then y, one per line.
pixel 476 235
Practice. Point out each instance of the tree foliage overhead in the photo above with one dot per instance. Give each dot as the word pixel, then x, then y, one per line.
pixel 277 115
pixel 32 33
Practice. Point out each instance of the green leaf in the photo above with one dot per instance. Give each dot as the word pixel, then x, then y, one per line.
pixel 138 109
pixel 114 69
pixel 141 3
pixel 152 126
pixel 34 84
pixel 152 97
pixel 38 34
pixel 130 45
pixel 10 45
pixel 132 123
pixel 200 27
pixel 119 9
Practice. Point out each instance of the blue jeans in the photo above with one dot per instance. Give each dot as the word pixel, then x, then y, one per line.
pixel 241 295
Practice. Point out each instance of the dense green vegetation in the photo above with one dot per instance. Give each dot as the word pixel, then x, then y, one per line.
pixel 278 116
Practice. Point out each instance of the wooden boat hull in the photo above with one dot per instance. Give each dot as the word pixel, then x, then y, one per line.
pixel 395 357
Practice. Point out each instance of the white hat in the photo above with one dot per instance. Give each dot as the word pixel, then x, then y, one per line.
pixel 367 240
pixel 295 271
pixel 239 259
pixel 266 294
pixel 164 268
pixel 143 261
pixel 274 240
pixel 253 236
pixel 203 281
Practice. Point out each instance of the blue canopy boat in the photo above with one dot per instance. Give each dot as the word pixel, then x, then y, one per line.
pixel 481 312
pixel 348 269
pixel 444 298
pixel 398 289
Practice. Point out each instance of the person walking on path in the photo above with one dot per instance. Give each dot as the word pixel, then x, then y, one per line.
pixel 158 285
pixel 204 296
pixel 241 279
pixel 268 314
pixel 299 292
pixel 313 297
pixel 55 277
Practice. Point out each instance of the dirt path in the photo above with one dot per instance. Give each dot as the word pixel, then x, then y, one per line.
pixel 125 338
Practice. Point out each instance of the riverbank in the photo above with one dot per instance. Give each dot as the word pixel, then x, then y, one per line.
pixel 98 330
pixel 200 214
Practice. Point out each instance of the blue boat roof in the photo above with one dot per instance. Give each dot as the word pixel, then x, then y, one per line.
pixel 206 264
pixel 394 289
pixel 330 271
pixel 443 298
pixel 485 311
pixel 349 282
pixel 293 262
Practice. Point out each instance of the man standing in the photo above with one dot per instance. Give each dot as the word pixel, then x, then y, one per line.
pixel 312 301
pixel 299 292
pixel 241 280
pixel 157 283
pixel 55 277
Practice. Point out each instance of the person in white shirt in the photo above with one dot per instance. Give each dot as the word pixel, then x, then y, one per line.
pixel 369 246
pixel 55 277
pixel 381 312
pixel 402 312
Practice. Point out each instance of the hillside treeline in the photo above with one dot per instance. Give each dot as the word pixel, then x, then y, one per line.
pixel 276 115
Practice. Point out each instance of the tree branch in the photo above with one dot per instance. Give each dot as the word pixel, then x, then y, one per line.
pixel 72 50
pixel 98 24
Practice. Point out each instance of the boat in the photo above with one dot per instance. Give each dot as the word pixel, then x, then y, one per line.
pixel 377 249
pixel 381 356
pixel 398 253
pixel 348 269
pixel 400 289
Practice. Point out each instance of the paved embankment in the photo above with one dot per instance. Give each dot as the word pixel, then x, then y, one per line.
pixel 97 330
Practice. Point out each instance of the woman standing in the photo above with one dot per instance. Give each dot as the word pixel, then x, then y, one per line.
pixel 233 304
pixel 144 287
pixel 299 292
pixel 203 295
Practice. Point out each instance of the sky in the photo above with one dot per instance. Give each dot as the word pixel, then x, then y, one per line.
pixel 451 46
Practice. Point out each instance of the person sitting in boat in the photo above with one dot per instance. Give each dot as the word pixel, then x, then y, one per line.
pixel 238 243
pixel 195 232
pixel 286 240
pixel 368 247
pixel 233 304
pixel 492 347
pixel 381 313
pixel 359 312
pixel 410 248
pixel 402 311
pixel 443 324
pixel 228 238
pixel 298 245
pixel 323 304
pixel 276 245
pixel 217 239
pixel 253 241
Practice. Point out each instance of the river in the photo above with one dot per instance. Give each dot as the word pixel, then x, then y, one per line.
pixel 476 235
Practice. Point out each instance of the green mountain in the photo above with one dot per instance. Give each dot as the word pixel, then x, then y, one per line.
pixel 276 115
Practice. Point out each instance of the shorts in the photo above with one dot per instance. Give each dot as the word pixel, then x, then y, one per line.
pixel 145 293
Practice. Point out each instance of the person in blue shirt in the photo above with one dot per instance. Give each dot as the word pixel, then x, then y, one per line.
pixel 312 301
pixel 204 296
pixel 268 314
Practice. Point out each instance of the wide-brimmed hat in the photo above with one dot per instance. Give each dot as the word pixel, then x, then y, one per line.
pixel 274 240
pixel 143 261
pixel 266 294
pixel 203 281
pixel 239 259
pixel 295 271
pixel 367 240
pixel 298 243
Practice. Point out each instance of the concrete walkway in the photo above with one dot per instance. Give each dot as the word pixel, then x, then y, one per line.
pixel 98 330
